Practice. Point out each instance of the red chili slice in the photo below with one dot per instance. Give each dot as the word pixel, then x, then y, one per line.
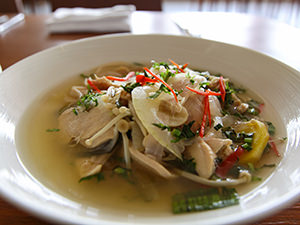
pixel 93 86
pixel 223 169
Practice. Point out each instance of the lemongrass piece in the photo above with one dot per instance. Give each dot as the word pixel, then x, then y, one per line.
pixel 123 126
pixel 213 183
pixel 89 141
pixel 137 120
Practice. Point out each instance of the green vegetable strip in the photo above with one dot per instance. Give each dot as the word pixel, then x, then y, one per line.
pixel 204 199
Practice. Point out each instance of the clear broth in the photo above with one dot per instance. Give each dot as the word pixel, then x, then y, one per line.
pixel 51 162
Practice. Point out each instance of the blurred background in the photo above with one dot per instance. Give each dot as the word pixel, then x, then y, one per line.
pixel 287 11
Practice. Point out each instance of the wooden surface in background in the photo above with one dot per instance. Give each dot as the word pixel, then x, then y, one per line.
pixel 278 40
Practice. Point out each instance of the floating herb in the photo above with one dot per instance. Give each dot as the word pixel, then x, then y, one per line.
pixel 162 126
pixel 75 111
pixel 218 126
pixel 124 173
pixel 188 165
pixel 184 132
pixel 129 87
pixel 255 178
pixel 98 176
pixel 271 128
pixel 89 100
pixel 53 130
pixel 161 89
pixel 204 199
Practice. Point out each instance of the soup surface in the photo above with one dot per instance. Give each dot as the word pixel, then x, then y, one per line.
pixel 52 160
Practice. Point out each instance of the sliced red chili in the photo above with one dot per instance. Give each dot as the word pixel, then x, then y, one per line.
pixel 143 80
pixel 184 66
pixel 204 93
pixel 175 64
pixel 128 76
pixel 223 169
pixel 162 81
pixel 222 88
pixel 93 86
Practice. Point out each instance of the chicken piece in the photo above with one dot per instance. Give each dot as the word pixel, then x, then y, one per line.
pixel 92 165
pixel 102 83
pixel 203 156
pixel 76 93
pixel 220 146
pixel 194 105
pixel 181 80
pixel 153 148
pixel 85 124
pixel 150 164
pixel 240 106
pixel 216 144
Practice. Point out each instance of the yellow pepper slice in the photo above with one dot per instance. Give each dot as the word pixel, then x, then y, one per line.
pixel 260 140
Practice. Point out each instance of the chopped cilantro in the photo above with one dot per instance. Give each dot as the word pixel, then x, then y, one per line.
pixel 204 85
pixel 161 89
pixel 129 87
pixel 162 126
pixel 218 126
pixel 179 133
pixel 89 100
pixel 156 65
pixel 75 111
pixel 271 128
pixel 188 165
pixel 124 173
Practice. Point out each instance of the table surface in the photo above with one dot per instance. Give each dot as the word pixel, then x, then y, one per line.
pixel 277 40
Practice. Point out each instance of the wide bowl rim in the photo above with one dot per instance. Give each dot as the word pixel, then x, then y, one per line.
pixel 56 216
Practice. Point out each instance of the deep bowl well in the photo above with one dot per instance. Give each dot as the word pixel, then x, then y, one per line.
pixel 276 83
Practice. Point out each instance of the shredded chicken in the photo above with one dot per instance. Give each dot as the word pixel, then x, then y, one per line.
pixel 203 156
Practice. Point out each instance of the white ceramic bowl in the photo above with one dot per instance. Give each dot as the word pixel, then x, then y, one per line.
pixel 276 83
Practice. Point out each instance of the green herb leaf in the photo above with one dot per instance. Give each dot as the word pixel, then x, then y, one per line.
pixel 124 173
pixel 98 176
pixel 162 126
pixel 166 75
pixel 204 199
pixel 185 132
pixel 218 126
pixel 271 128
pixel 188 165
pixel 89 100
pixel 204 85
pixel 161 89
pixel 75 111
pixel 53 130
pixel 255 178
pixel 129 87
